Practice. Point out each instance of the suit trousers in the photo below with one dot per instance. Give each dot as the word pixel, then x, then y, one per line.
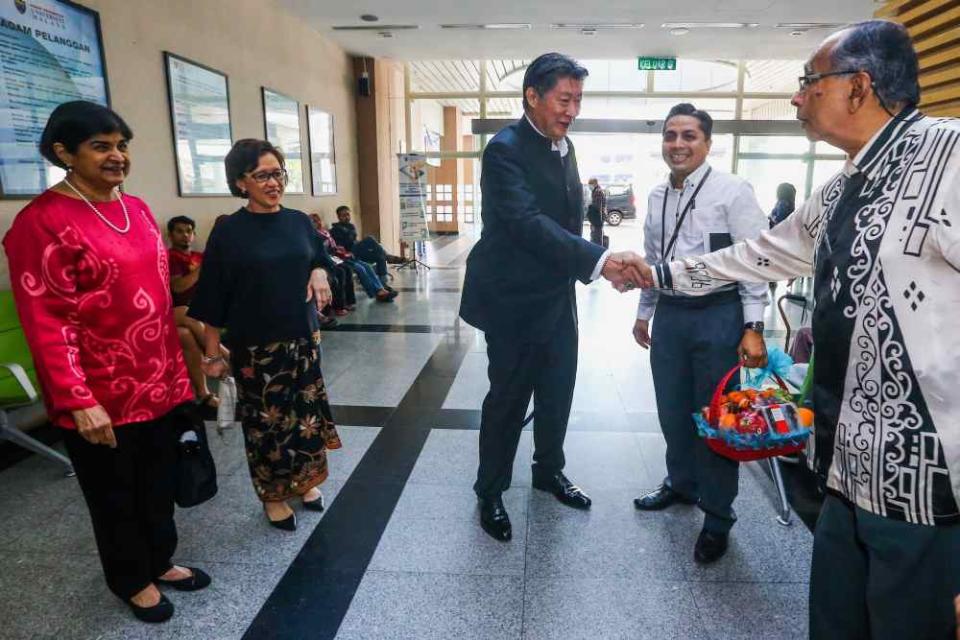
pixel 694 343
pixel 545 370
pixel 874 578
pixel 129 492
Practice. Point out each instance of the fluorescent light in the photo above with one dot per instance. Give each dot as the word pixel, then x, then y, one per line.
pixel 809 25
pixel 488 27
pixel 709 25
pixel 679 31
pixel 597 27
pixel 377 28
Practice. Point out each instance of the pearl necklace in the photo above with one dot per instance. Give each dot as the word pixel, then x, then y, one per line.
pixel 126 216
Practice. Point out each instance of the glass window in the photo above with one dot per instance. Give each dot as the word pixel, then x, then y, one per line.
pixel 614 75
pixel 445 76
pixel 774 144
pixel 823 170
pixel 427 123
pixel 697 75
pixel 763 109
pixel 766 174
pixel 825 148
pixel 772 76
pixel 506 75
pixel 651 108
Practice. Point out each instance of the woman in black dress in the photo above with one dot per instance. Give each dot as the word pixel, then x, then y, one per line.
pixel 263 280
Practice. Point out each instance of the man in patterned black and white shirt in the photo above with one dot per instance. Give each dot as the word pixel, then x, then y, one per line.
pixel 882 240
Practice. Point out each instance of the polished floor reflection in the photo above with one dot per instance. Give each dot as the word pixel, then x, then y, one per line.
pixel 399 553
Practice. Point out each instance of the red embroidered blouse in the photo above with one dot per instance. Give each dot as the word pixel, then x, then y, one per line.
pixel 96 309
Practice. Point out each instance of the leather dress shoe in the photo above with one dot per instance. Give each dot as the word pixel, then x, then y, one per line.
pixel 494 518
pixel 564 490
pixel 198 580
pixel 710 546
pixel 661 498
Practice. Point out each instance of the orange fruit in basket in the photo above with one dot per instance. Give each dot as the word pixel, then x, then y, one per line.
pixel 805 417
pixel 728 421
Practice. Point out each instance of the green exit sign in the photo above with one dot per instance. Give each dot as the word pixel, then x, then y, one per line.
pixel 656 64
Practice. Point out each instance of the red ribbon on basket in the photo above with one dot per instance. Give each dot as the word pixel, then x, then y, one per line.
pixel 714 417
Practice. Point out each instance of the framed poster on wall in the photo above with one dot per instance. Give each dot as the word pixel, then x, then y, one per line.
pixel 51 52
pixel 200 117
pixel 323 163
pixel 281 125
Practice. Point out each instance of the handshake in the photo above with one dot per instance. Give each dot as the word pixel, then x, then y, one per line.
pixel 626 270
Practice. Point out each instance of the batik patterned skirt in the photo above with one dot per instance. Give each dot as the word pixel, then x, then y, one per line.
pixel 283 407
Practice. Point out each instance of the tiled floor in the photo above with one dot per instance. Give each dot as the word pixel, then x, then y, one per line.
pixel 399 553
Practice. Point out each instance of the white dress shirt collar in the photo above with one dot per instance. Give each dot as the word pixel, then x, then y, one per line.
pixel 693 179
pixel 555 145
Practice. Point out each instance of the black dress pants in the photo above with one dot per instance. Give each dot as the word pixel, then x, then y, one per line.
pixel 341 285
pixel 129 492
pixel 547 371
pixel 694 344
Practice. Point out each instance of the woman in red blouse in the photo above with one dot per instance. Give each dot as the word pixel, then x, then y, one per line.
pixel 90 278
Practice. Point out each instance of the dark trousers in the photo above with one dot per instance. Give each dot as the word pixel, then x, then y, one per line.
pixel 341 284
pixel 874 578
pixel 547 371
pixel 369 250
pixel 694 343
pixel 129 492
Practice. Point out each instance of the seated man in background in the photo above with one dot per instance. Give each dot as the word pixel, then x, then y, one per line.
pixel 368 249
pixel 184 273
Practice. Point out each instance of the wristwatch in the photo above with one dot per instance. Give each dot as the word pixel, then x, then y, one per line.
pixel 754 326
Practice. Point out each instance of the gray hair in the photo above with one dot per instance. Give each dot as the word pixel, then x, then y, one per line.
pixel 884 50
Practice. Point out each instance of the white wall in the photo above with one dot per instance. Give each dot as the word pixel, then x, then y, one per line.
pixel 255 44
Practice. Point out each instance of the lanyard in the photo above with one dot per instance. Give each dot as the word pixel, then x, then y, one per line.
pixel 664 250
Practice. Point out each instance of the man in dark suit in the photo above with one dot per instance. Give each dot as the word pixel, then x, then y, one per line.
pixel 519 286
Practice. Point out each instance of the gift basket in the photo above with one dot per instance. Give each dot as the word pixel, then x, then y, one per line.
pixel 754 423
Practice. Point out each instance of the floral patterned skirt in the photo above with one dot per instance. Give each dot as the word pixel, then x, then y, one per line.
pixel 283 407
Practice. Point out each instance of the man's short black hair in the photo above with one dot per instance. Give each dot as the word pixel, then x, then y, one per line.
pixel 343 207
pixel 175 220
pixel 75 122
pixel 542 74
pixel 244 158
pixel 687 109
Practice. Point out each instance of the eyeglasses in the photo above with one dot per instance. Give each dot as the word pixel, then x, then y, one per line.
pixel 261 177
pixel 813 78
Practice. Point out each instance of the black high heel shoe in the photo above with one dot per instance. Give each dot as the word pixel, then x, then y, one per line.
pixel 314 505
pixel 287 524
pixel 197 580
pixel 160 612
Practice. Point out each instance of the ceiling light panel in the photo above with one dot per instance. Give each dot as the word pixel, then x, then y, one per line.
pixel 489 27
pixel 376 28
pixel 709 25
pixel 597 27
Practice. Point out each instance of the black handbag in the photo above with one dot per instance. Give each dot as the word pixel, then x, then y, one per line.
pixel 196 472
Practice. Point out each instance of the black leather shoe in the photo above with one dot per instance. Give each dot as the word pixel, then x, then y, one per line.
pixel 199 580
pixel 160 612
pixel 710 546
pixel 494 518
pixel 661 498
pixel 287 524
pixel 564 490
pixel 314 505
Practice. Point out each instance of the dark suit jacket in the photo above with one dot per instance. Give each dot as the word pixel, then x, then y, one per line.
pixel 520 274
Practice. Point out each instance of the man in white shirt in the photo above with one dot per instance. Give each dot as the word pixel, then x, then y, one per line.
pixel 697 339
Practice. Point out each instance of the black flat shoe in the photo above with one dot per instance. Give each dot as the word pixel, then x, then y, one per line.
pixel 661 498
pixel 198 580
pixel 314 505
pixel 287 524
pixel 160 612
pixel 494 519
pixel 564 490
pixel 710 546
